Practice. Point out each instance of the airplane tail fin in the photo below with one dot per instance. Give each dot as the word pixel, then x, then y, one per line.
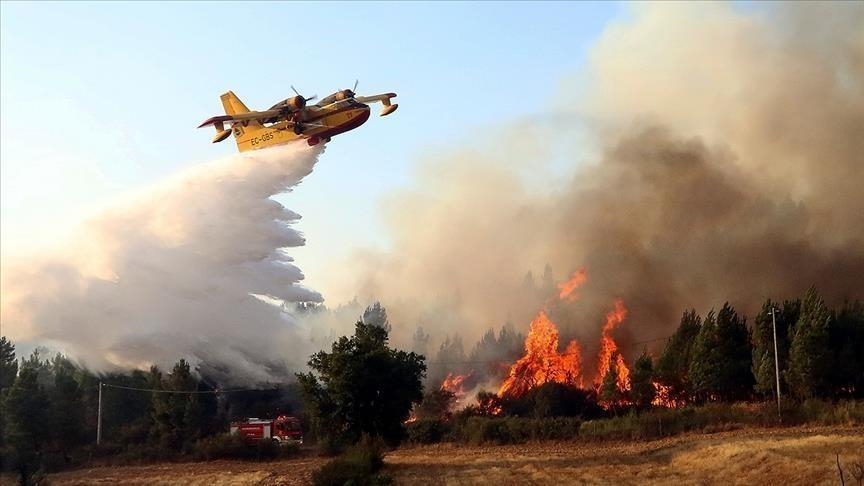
pixel 242 130
pixel 232 104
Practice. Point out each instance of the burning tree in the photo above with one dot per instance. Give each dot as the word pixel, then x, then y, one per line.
pixel 542 362
pixel 609 354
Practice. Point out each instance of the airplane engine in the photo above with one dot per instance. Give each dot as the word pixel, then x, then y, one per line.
pixel 344 94
pixel 295 103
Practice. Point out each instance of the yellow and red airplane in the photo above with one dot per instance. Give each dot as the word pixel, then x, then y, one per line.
pixel 293 119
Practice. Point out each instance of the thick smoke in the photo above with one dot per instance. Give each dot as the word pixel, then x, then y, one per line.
pixel 730 168
pixel 170 273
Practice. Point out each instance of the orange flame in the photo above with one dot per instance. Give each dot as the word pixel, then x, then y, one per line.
pixel 608 348
pixel 454 384
pixel 663 396
pixel 567 289
pixel 542 362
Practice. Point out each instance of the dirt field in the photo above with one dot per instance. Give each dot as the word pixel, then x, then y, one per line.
pixel 214 473
pixel 789 456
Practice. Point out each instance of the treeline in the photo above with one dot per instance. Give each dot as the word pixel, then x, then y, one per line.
pixel 718 358
pixel 49 412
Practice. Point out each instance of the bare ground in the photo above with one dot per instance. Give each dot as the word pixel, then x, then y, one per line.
pixel 752 456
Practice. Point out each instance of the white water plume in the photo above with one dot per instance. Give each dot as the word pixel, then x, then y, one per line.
pixel 173 272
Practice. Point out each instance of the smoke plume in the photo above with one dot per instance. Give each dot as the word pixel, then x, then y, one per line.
pixel 729 168
pixel 173 272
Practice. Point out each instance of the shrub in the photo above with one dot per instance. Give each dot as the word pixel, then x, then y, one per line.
pixel 514 430
pixel 357 466
pixel 427 431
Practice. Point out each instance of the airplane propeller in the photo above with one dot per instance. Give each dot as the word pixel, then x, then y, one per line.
pixel 313 97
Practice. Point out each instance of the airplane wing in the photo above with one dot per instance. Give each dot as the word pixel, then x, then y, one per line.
pixel 260 116
pixel 384 99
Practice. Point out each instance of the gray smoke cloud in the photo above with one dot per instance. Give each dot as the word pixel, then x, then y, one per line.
pixel 174 272
pixel 730 168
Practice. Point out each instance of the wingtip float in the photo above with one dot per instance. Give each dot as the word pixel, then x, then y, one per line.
pixel 293 118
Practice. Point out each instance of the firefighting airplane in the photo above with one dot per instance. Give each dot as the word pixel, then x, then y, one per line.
pixel 293 119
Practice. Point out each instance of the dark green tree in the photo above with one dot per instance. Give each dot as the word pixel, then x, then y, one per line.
pixel 25 412
pixel 8 364
pixel 66 409
pixel 673 367
pixel 846 336
pixel 810 354
pixel 127 416
pixel 436 405
pixel 763 344
pixel 362 387
pixel 8 372
pixel 171 411
pixel 642 391
pixel 376 315
pixel 610 392
pixel 721 364
pixel 555 400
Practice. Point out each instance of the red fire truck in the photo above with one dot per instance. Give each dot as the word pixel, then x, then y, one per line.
pixel 283 429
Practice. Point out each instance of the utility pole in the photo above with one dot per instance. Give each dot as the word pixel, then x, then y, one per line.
pixel 99 418
pixel 776 359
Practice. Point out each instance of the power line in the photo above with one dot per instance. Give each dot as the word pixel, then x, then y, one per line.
pixel 187 392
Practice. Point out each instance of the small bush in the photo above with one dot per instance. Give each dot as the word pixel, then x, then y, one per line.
pixel 514 430
pixel 427 431
pixel 357 466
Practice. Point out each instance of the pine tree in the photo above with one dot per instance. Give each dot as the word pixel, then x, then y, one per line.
pixel 642 390
pixel 8 372
pixel 721 365
pixel 66 409
pixel 8 364
pixel 810 355
pixel 673 367
pixel 610 393
pixel 376 315
pixel 846 335
pixel 171 411
pixel 25 415
pixel 763 344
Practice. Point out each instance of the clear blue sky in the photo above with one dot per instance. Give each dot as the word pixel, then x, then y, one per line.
pixel 101 98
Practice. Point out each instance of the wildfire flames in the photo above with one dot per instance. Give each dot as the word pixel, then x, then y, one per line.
pixel 543 363
pixel 663 396
pixel 454 384
pixel 609 349
pixel 566 290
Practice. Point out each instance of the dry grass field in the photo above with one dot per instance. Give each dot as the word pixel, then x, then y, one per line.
pixel 791 456
pixel 751 456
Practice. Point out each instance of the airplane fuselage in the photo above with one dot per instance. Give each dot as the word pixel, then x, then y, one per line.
pixel 318 125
